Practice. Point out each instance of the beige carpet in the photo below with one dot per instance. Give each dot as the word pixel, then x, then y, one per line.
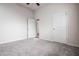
pixel 33 47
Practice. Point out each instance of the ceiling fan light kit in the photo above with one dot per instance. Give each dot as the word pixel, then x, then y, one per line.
pixel 35 3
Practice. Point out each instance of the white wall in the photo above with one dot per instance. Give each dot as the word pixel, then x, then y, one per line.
pixel 67 12
pixel 73 38
pixel 13 22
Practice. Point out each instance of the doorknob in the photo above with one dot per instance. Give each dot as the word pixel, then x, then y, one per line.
pixel 53 28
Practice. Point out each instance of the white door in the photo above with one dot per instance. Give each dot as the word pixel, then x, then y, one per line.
pixel 31 28
pixel 59 27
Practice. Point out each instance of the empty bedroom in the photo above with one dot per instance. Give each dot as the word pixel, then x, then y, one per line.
pixel 39 29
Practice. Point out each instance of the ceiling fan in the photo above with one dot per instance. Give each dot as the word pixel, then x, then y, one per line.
pixel 35 3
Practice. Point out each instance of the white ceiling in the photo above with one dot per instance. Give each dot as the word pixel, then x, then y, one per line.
pixel 33 6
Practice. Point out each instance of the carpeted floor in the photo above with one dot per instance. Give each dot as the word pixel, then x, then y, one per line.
pixel 33 47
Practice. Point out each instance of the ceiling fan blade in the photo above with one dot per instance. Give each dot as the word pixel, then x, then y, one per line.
pixel 27 3
pixel 37 4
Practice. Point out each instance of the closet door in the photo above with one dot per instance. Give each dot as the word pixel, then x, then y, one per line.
pixel 31 28
pixel 59 27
